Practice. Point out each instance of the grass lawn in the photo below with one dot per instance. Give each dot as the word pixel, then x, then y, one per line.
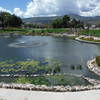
pixel 91 32
pixel 17 30
pixel 26 31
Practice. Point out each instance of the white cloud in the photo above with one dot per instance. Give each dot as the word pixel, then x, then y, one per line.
pixel 89 7
pixel 58 7
pixel 49 8
pixel 4 10
pixel 18 12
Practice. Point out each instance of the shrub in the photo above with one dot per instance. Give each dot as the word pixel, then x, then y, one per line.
pixel 73 67
pixel 33 31
pixel 88 39
pixel 98 60
pixel 79 67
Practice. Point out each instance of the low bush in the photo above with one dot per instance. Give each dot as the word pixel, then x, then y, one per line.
pixel 73 67
pixel 98 60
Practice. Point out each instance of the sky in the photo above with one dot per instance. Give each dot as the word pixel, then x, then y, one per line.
pixel 34 8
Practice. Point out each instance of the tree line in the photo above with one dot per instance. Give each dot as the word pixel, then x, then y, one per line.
pixel 67 22
pixel 9 20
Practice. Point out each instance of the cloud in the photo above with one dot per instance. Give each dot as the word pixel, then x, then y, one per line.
pixel 58 7
pixel 4 10
pixel 48 8
pixel 18 12
pixel 41 8
pixel 89 7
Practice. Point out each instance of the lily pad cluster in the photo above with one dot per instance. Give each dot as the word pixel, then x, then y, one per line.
pixel 30 66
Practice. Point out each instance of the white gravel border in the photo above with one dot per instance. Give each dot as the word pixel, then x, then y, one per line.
pixel 78 39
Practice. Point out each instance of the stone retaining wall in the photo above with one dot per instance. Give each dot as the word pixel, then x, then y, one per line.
pixel 32 87
pixel 95 84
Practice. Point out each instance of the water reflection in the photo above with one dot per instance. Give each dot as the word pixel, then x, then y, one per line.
pixel 68 51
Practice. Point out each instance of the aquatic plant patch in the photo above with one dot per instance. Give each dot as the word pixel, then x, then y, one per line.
pixel 30 66
pixel 52 80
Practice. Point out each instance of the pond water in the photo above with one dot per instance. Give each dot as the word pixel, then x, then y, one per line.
pixel 68 51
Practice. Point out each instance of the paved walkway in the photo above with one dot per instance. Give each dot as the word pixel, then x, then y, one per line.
pixel 11 94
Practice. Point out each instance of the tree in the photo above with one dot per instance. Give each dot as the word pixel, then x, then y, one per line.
pixel 66 20
pixel 73 23
pixel 76 24
pixel 57 23
pixel 8 20
pixel 15 21
pixel 4 17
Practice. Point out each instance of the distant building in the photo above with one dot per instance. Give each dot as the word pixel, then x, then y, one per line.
pixel 93 26
pixel 90 26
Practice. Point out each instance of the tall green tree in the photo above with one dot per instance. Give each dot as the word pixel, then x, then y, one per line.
pixel 76 24
pixel 73 23
pixel 66 21
pixel 4 17
pixel 8 20
pixel 57 23
pixel 15 21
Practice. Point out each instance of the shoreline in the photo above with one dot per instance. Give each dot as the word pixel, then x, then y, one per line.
pixel 95 85
pixel 93 67
pixel 85 41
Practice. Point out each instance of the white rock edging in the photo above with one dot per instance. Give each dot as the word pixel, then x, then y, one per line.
pixel 32 87
pixel 93 67
pixel 79 39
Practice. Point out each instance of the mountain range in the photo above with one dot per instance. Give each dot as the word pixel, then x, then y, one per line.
pixel 47 20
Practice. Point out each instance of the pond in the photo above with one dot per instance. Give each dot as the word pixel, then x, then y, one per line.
pixel 69 52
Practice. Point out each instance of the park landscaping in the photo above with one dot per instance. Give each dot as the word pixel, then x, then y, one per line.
pixel 33 32
pixel 45 72
pixel 88 39
pixel 90 32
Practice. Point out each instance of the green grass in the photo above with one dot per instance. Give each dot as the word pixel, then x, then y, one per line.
pixel 45 32
pixel 91 32
pixel 33 31
pixel 15 30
